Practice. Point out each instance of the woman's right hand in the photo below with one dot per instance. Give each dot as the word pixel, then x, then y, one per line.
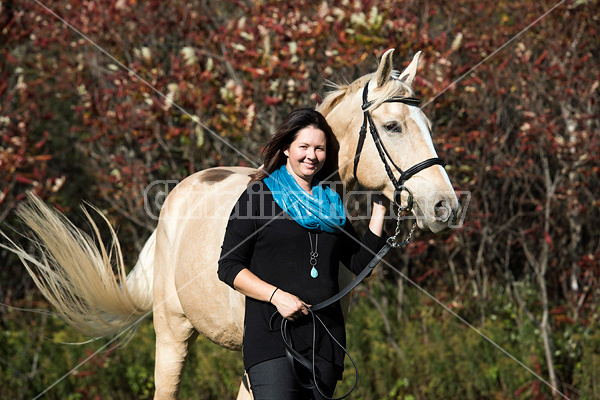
pixel 289 306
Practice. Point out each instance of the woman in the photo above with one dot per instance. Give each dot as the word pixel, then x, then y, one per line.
pixel 285 238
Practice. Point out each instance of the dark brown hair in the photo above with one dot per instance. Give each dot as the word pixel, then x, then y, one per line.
pixel 287 132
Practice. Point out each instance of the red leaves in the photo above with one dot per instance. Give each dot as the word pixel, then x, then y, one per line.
pixel 273 101
pixel 429 274
pixel 415 249
pixel 40 144
pixel 20 178
pixel 548 240
pixel 541 58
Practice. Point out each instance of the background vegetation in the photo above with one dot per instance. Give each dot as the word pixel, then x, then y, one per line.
pixel 520 133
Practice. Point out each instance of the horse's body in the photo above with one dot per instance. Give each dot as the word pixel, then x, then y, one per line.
pixel 176 272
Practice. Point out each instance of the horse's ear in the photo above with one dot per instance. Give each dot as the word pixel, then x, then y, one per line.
pixel 409 73
pixel 385 68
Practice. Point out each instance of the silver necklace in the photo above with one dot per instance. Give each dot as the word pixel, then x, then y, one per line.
pixel 313 256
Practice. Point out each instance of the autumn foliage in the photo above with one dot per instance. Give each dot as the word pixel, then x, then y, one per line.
pixel 102 98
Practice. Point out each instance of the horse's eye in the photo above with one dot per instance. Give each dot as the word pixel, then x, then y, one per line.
pixel 393 127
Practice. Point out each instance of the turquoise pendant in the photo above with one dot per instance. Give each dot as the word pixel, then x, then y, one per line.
pixel 313 257
pixel 314 273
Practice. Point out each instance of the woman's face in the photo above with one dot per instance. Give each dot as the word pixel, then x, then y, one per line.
pixel 306 154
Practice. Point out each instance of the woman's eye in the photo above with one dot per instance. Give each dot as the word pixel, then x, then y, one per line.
pixel 393 127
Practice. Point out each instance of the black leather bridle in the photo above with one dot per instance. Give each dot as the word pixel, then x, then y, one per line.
pixel 383 153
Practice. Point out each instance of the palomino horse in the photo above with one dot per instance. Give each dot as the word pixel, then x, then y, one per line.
pixel 175 275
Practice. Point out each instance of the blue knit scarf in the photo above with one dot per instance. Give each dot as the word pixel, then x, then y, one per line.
pixel 323 211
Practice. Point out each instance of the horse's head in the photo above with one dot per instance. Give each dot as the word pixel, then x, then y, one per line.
pixel 405 133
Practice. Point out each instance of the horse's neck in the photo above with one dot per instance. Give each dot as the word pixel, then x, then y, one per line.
pixel 346 131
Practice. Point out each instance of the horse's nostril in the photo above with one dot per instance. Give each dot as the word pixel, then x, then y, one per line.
pixel 442 211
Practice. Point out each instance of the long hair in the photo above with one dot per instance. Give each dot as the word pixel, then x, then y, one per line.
pixel 287 132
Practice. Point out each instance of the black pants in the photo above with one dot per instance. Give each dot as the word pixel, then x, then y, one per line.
pixel 275 380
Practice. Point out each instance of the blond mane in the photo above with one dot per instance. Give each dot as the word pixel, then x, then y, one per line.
pixel 393 87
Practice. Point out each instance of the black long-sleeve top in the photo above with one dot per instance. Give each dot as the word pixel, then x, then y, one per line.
pixel 260 236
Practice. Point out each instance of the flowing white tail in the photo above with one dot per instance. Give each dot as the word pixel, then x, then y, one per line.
pixel 75 274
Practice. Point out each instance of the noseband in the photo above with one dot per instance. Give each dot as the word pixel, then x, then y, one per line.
pixel 383 153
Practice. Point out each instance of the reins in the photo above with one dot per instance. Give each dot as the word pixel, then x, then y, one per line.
pixel 293 356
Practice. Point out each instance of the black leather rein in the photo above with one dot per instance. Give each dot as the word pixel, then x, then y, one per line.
pixel 295 357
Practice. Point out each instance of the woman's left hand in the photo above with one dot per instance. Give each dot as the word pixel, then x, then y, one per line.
pixel 378 213
pixel 379 199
